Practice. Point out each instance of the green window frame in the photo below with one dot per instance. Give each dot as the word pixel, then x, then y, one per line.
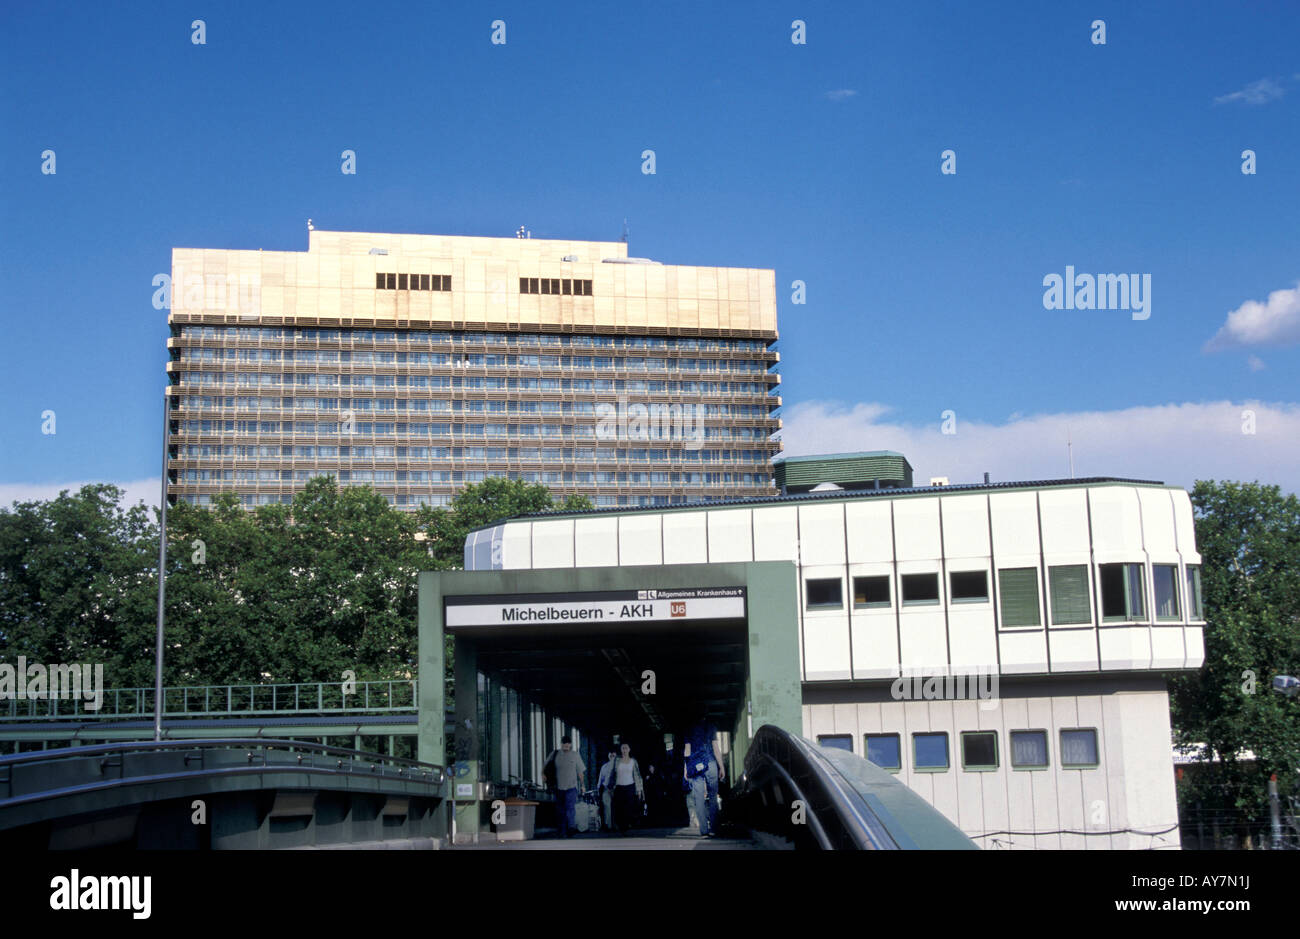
pixel 1068 586
pixel 836 741
pixel 930 765
pixel 1195 604
pixel 1164 581
pixel 1026 742
pixel 878 745
pixel 1018 587
pixel 1080 748
pixel 1123 592
pixel 975 762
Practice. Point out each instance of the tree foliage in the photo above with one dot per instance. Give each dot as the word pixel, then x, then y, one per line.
pixel 1249 539
pixel 282 593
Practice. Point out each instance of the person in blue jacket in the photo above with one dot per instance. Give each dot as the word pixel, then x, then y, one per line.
pixel 702 768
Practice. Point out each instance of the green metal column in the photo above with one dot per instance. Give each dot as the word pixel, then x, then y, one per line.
pixel 773 688
pixel 431 744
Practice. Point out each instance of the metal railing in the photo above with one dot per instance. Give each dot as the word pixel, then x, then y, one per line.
pixel 244 700
pixel 30 777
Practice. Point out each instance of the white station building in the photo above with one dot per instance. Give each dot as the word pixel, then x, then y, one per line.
pixel 1003 647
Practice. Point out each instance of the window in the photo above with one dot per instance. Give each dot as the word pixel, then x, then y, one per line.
pixel 836 741
pixel 885 750
pixel 968 586
pixel 930 753
pixel 1029 749
pixel 1068 584
pixel 979 750
pixel 1122 590
pixel 1165 580
pixel 871 591
pixel 401 281
pixel 920 589
pixel 1079 748
pixel 1019 589
pixel 1195 609
pixel 424 282
pixel 380 280
pixel 392 281
pixel 824 594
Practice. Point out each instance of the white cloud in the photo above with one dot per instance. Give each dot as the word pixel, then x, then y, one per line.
pixel 1256 93
pixel 841 94
pixel 139 490
pixel 1175 443
pixel 1275 322
pixel 1256 363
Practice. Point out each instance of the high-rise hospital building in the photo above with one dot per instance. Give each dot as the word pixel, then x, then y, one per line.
pixel 417 364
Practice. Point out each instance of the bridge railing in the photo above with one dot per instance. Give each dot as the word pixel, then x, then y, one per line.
pixel 396 695
pixel 28 777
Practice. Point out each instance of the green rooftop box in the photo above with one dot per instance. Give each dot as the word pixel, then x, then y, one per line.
pixel 876 469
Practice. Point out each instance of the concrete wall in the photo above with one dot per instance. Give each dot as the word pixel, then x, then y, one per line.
pixel 335 280
pixel 918 533
pixel 1127 801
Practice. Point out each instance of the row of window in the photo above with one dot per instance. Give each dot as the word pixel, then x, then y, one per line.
pixel 323 452
pixel 979 750
pixel 606 385
pixel 414 500
pixel 581 341
pixel 693 411
pixel 473 476
pixel 383 428
pixel 580 432
pixel 1122 589
pixel 413 282
pixel 555 285
pixel 477 359
pixel 659 433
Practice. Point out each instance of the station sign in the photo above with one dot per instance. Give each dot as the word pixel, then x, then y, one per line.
pixel 607 606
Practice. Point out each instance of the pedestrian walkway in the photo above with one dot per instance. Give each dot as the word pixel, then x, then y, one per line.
pixel 643 839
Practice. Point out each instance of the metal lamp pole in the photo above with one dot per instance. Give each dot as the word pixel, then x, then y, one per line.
pixel 162 584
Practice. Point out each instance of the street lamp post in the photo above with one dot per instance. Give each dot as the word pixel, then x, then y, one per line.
pixel 162 584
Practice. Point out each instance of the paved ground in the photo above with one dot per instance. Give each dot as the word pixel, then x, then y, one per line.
pixel 641 839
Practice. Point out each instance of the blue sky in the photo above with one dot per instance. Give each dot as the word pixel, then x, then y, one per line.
pixel 821 160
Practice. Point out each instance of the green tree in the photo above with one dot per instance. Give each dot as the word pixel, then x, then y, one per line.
pixel 282 593
pixel 75 576
pixel 296 592
pixel 1249 539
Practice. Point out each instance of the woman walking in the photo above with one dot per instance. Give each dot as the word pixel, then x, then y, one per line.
pixel 628 788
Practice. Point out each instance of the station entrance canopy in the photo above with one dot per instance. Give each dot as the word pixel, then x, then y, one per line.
pixel 629 651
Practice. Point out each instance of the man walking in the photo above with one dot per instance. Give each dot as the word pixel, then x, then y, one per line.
pixel 569 770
